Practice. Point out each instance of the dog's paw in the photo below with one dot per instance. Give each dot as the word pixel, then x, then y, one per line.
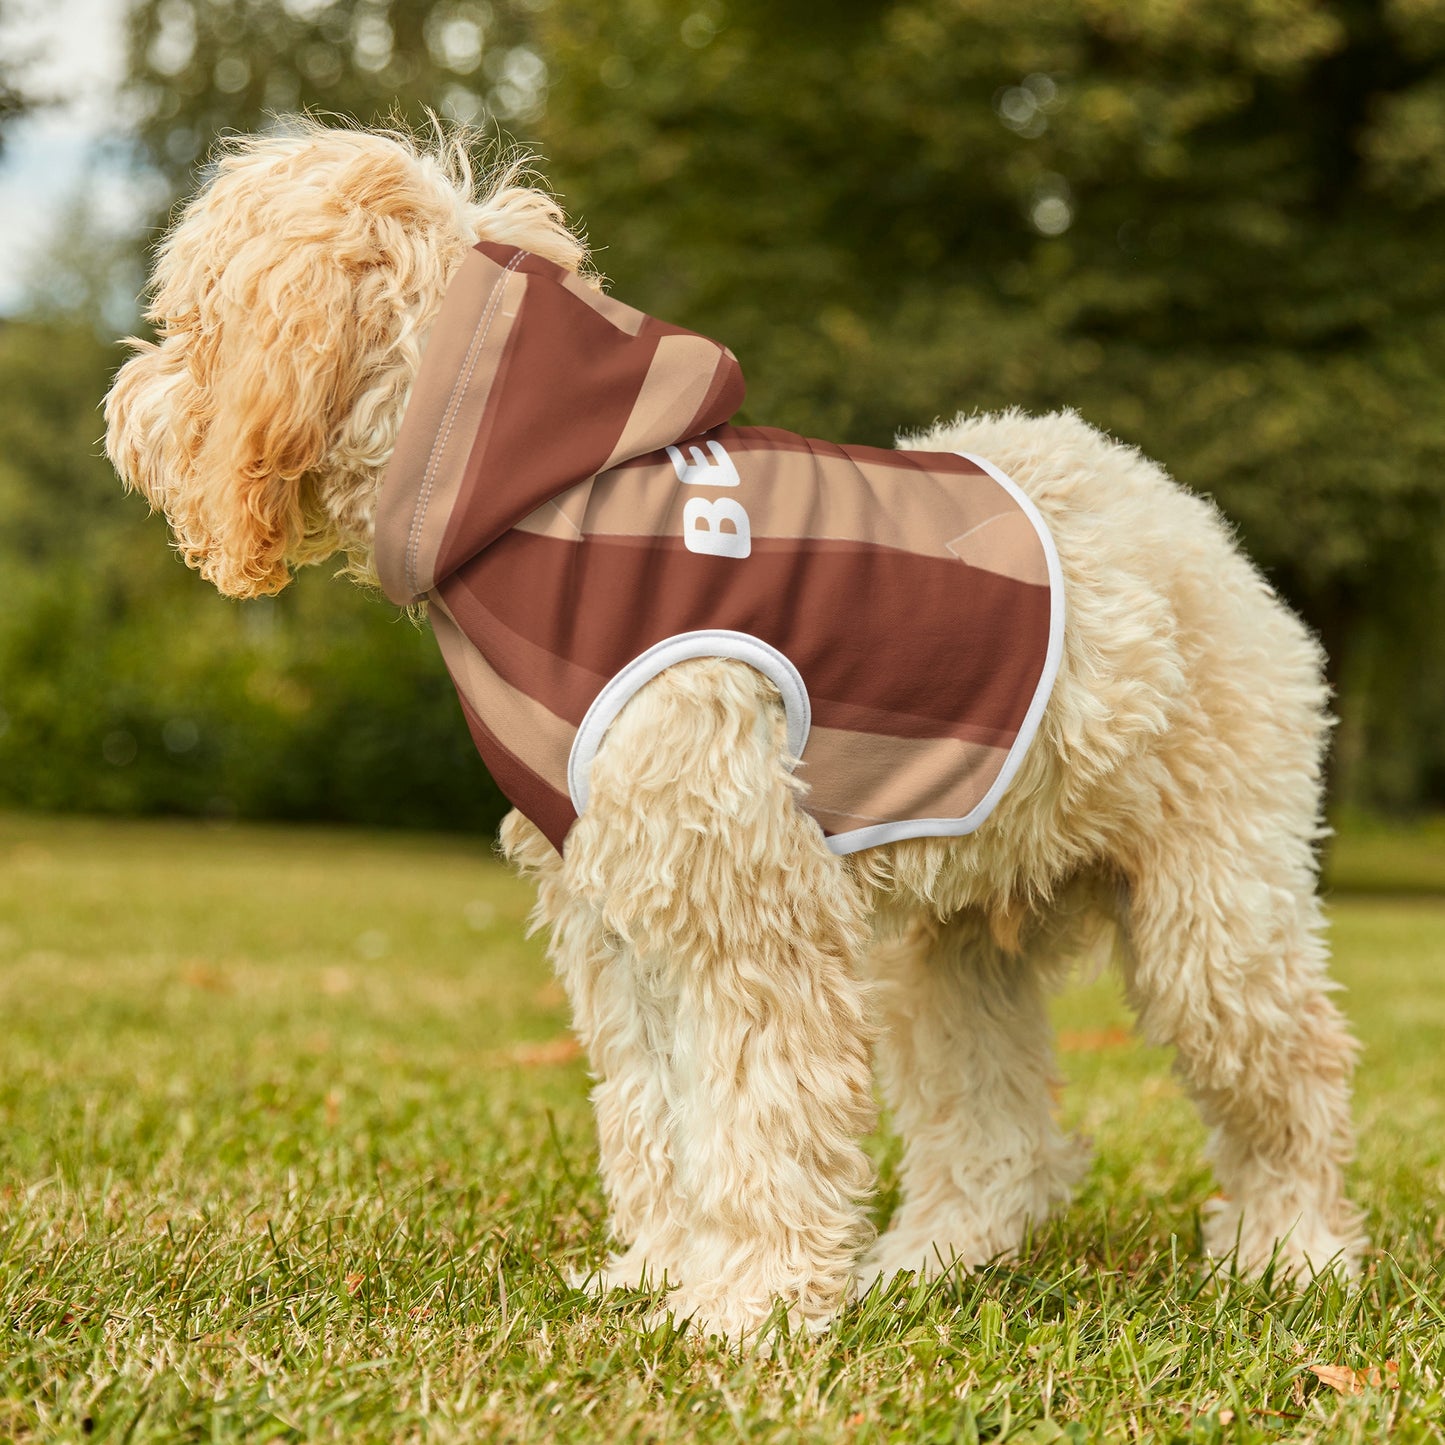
pixel 1298 1245
pixel 633 1270
pixel 753 1323
pixel 925 1263
pixel 915 1252
pixel 965 1228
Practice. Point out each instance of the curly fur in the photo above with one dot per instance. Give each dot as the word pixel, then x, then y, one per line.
pixel 291 302
pixel 729 976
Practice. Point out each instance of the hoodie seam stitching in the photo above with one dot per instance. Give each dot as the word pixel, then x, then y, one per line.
pixel 474 352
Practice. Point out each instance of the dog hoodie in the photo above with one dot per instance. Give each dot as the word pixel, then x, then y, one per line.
pixel 570 498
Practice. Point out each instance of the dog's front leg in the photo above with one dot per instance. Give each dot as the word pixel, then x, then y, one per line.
pixel 624 1025
pixel 742 932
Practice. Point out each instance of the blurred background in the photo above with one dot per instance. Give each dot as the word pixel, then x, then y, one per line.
pixel 1214 227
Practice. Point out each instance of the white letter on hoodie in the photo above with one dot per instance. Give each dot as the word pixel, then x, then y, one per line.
pixel 703 530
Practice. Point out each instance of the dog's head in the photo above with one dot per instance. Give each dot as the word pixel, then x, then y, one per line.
pixel 291 300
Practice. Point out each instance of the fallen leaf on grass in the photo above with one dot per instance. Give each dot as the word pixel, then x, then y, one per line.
pixel 1345 1381
pixel 1089 1041
pixel 354 1283
pixel 551 995
pixel 533 1056
pixel 197 973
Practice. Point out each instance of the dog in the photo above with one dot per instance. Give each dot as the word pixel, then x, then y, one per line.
pixel 733 979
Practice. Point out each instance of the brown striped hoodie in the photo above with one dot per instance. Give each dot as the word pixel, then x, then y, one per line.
pixel 570 497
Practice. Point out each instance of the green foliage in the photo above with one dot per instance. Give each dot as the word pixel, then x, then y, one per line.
pixel 301 708
pixel 14 99
pixel 1370 856
pixel 128 686
pixel 1216 229
pixel 281 1157
pixel 202 67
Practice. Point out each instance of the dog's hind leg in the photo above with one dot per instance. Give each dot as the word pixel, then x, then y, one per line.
pixel 966 1059
pixel 1228 966
pixel 694 854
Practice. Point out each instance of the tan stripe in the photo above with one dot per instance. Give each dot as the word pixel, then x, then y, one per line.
pixel 520 723
pixel 1006 544
pixel 866 779
pixel 521 662
pixel 676 384
pixel 561 517
pixel 984 636
pixel 440 424
pixel 619 313
pixel 968 516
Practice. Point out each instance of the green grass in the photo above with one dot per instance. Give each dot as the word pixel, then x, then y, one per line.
pixel 1369 855
pixel 289 1150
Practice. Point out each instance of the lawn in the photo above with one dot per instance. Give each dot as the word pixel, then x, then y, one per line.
pixel 293 1145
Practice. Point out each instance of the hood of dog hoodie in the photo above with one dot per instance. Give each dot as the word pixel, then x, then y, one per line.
pixel 570 497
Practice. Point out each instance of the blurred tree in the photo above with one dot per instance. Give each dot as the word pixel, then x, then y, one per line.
pixel 1216 227
pixel 127 685
pixel 14 99
pixel 202 67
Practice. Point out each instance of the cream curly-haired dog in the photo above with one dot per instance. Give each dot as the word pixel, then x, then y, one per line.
pixel 729 975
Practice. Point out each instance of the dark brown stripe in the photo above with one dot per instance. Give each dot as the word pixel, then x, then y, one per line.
pixel 504 254
pixel 636 322
pixel 841 611
pixel 770 439
pixel 577 378
pixel 725 394
pixel 566 687
pixel 542 804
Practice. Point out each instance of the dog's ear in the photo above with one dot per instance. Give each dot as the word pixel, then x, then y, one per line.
pixel 263 360
pixel 290 301
pixel 277 361
pixel 222 422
